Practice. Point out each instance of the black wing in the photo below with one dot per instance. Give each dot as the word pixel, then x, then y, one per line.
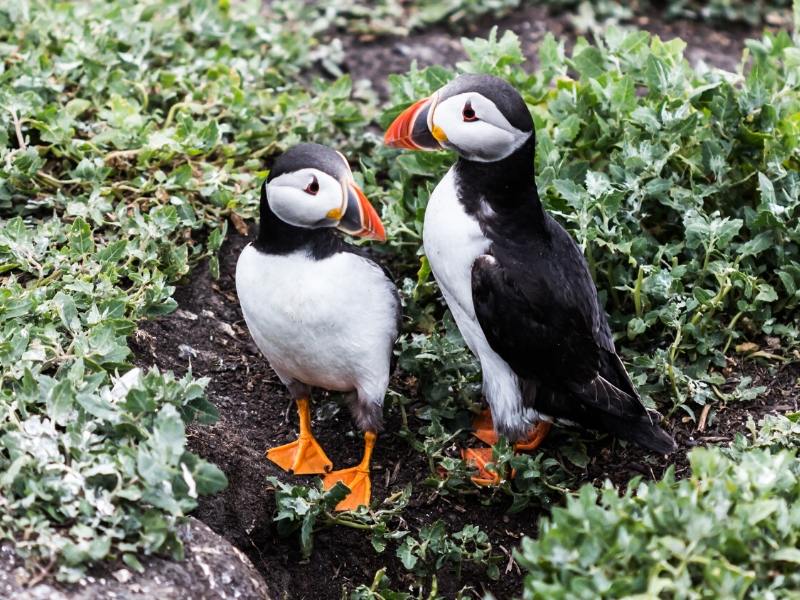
pixel 542 316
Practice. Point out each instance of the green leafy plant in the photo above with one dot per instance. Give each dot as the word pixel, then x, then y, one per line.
pixel 728 531
pixel 423 552
pixel 435 548
pixel 299 507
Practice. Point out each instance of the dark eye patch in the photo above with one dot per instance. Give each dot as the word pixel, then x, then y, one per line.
pixel 313 187
pixel 468 113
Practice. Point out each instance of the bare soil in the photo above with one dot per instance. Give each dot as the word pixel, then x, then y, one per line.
pixel 208 335
pixel 372 59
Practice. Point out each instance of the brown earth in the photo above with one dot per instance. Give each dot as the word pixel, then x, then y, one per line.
pixel 208 335
pixel 372 59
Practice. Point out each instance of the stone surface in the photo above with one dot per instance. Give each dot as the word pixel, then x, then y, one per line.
pixel 213 570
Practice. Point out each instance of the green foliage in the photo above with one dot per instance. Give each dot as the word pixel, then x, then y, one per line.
pixel 731 530
pixel 380 589
pixel 753 12
pixel 396 17
pixel 298 507
pixel 436 548
pixel 90 470
pixel 128 132
pixel 423 551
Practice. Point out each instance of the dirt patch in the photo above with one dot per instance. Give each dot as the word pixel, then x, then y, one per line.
pixel 208 335
pixel 374 59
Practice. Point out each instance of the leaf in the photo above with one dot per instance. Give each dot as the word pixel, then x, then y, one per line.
pixel 766 188
pixel 788 555
pixel 133 562
pixel 113 252
pixel 623 95
pixel 405 552
pixel 80 237
pixel 574 194
pixel 589 63
pixel 77 106
pixel 60 400
pixel 204 412
pixel 67 311
pixel 568 129
pixel 766 293
pixel 757 245
pixel 209 478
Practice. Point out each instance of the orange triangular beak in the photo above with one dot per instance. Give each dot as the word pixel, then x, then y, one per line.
pixel 360 219
pixel 410 129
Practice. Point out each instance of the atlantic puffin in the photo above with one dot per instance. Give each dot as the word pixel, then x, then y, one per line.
pixel 322 313
pixel 515 281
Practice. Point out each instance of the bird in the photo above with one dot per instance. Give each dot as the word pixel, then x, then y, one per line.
pixel 515 281
pixel 322 313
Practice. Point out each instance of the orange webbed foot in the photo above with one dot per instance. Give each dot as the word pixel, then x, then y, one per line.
pixel 356 478
pixel 479 458
pixel 536 436
pixel 304 456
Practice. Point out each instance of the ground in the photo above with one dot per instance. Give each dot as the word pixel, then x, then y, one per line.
pixel 208 335
pixel 373 59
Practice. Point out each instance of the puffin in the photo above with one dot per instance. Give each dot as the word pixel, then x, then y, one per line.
pixel 322 313
pixel 517 284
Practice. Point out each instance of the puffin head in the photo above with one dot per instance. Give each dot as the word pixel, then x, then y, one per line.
pixel 312 186
pixel 481 117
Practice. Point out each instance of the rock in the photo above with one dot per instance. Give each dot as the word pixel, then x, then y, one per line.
pixel 213 570
pixel 186 351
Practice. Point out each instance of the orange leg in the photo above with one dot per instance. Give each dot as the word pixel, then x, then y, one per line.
pixel 480 457
pixel 484 428
pixel 356 478
pixel 535 437
pixel 304 456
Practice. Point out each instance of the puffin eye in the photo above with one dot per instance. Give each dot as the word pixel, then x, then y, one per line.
pixel 469 113
pixel 313 187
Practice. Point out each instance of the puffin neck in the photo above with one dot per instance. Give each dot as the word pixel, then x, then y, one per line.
pixel 276 236
pixel 506 184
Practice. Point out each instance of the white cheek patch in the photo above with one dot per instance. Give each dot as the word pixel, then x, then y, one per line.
pixel 288 199
pixel 489 138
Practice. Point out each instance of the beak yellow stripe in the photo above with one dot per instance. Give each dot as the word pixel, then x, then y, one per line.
pixel 439 134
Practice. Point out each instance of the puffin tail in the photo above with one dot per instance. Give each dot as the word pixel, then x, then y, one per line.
pixel 644 432
pixel 601 405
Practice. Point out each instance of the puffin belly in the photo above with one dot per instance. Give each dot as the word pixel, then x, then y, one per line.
pixel 308 317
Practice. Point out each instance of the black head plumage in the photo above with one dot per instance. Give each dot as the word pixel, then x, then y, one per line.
pixel 505 97
pixel 310 155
